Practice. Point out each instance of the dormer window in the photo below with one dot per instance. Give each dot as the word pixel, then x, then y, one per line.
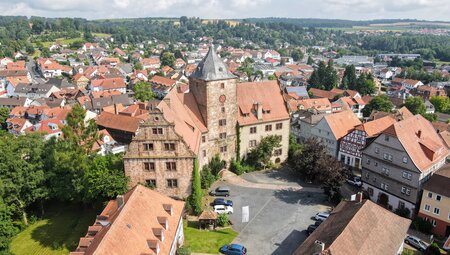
pixel 164 222
pixel 159 233
pixel 168 208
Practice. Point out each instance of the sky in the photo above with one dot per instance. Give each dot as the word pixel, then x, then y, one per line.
pixel 335 9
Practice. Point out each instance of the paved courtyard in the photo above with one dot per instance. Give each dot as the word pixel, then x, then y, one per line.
pixel 280 210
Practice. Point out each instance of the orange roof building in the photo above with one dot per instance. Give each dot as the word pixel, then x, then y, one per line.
pixel 142 221
pixel 400 159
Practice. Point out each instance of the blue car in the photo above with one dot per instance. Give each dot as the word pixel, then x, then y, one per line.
pixel 233 249
pixel 221 201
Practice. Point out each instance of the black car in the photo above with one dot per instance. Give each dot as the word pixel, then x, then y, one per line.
pixel 220 192
pixel 311 228
pixel 221 201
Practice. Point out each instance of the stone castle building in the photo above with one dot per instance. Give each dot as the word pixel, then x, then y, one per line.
pixel 201 123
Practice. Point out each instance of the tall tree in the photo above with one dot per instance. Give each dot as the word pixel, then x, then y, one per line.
pixel 310 61
pixel 349 79
pixel 22 172
pixel 416 105
pixel 7 228
pixel 331 78
pixel 297 55
pixel 104 178
pixel 261 154
pixel 168 59
pixel 143 91
pixel 441 103
pixel 379 103
pixel 4 114
pixel 196 197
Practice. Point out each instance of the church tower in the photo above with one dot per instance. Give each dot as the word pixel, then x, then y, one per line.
pixel 214 88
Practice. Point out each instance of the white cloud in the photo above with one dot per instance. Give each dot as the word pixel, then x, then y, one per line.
pixel 342 9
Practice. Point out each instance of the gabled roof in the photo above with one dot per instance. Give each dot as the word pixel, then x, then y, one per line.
pixel 358 229
pixel 322 93
pixel 341 123
pixel 163 81
pixel 212 68
pixel 129 227
pixel 109 83
pixel 182 109
pixel 118 122
pixel 419 139
pixel 268 95
pixel 376 126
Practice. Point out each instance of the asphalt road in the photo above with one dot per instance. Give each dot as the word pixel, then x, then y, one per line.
pixel 277 218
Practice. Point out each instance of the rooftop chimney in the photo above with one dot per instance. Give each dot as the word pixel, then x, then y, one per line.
pixel 120 201
pixel 259 111
pixel 319 246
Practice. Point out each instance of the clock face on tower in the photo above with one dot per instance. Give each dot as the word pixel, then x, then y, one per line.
pixel 222 99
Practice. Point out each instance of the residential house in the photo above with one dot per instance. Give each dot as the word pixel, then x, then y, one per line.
pixel 407 83
pixel 303 122
pixel 121 127
pixel 162 85
pixel 427 91
pixel 272 54
pixel 158 156
pixel 332 128
pixel 49 68
pixel 108 84
pixel 400 160
pixel 153 62
pixel 81 81
pixel 10 78
pixel 429 107
pixel 320 105
pixel 12 102
pixel 357 228
pixel 356 105
pixel 142 221
pixel 352 144
pixel 17 126
pixel 262 112
pixel 435 203
pixel 35 90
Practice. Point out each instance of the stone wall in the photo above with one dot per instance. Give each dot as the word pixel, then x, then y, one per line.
pixel 136 157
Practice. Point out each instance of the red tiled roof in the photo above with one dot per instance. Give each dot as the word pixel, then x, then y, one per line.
pixel 118 122
pixel 376 126
pixel 268 94
pixel 129 228
pixel 341 123
pixel 163 81
pixel 423 145
pixel 109 83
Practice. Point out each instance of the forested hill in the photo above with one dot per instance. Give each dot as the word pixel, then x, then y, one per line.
pixel 22 33
pixel 339 23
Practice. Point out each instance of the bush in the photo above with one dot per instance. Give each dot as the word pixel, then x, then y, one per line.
pixel 207 178
pixel 422 225
pixel 403 212
pixel 238 168
pixel 222 220
pixel 184 251
pixel 433 249
pixel 196 196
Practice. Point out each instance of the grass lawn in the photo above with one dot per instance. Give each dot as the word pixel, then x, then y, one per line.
pixel 58 233
pixel 204 241
pixel 62 41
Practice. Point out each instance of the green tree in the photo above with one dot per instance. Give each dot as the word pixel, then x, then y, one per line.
pixel 216 165
pixel 365 84
pixel 7 228
pixel 310 61
pixel 22 172
pixel 223 220
pixel 207 178
pixel 168 59
pixel 104 178
pixel 82 134
pixel 261 154
pixel 196 196
pixel 4 114
pixel 331 78
pixel 441 103
pixel 271 77
pixel 433 249
pixel 143 91
pixel 297 55
pixel 379 103
pixel 415 105
pixel 349 79
pixel 138 66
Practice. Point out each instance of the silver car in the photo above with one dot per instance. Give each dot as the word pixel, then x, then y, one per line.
pixel 416 242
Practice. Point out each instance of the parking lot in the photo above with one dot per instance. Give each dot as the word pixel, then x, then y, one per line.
pixel 278 218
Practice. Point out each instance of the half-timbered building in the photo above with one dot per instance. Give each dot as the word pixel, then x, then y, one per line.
pixel 352 144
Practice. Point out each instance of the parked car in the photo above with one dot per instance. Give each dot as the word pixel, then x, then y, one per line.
pixel 221 201
pixel 220 191
pixel 311 228
pixel 321 216
pixel 233 249
pixel 318 222
pixel 221 209
pixel 416 242
pixel 355 181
